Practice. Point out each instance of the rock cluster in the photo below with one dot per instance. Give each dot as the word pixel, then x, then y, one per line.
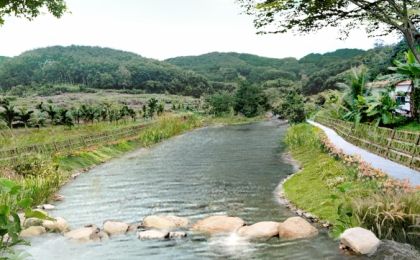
pixel 356 240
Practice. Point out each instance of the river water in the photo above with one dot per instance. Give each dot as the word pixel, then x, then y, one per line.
pixel 230 170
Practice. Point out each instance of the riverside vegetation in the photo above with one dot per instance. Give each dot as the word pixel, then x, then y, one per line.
pixel 347 192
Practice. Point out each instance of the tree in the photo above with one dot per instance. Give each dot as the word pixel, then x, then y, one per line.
pixel 152 104
pixel 250 100
pixel 30 9
pixel 65 118
pixel 160 109
pixel 379 16
pixel 220 103
pixel 9 113
pixel 292 107
pixel 25 115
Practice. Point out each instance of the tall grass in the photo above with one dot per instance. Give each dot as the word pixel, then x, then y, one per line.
pixel 394 216
pixel 168 126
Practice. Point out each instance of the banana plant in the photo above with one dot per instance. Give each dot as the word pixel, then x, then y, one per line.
pixel 381 110
pixel 410 69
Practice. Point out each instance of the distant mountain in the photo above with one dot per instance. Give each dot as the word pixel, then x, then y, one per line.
pixel 229 67
pixel 97 67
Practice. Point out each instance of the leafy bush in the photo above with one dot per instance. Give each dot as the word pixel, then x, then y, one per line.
pixel 10 226
pixel 220 103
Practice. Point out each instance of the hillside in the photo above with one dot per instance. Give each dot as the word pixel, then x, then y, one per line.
pixel 315 72
pixel 229 67
pixel 105 68
pixel 98 68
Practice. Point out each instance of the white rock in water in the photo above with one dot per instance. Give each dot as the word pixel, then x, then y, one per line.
pixel 165 222
pixel 360 240
pixel 115 227
pixel 33 231
pixel 295 228
pixel 152 234
pixel 83 234
pixel 218 224
pixel 58 225
pixel 265 229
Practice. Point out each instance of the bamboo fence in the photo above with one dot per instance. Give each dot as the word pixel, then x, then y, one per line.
pixel 399 146
pixel 70 144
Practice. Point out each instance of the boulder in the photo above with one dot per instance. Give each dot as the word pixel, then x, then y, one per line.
pixel 265 229
pixel 295 228
pixel 84 234
pixel 32 231
pixel 153 234
pixel 134 227
pixel 115 227
pixel 360 240
pixel 218 224
pixel 58 225
pixel 177 234
pixel 165 222
pixel 57 197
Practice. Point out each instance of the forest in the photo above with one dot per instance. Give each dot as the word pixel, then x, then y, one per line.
pixel 104 68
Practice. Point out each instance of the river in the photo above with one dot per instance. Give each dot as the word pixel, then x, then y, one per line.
pixel 230 170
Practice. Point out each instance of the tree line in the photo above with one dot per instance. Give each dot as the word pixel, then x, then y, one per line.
pixel 49 114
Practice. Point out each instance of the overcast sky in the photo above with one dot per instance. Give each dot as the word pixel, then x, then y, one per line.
pixel 162 29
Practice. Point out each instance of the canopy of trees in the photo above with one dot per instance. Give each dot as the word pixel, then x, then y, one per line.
pixel 377 16
pixel 316 72
pixel 99 68
pixel 30 8
pixel 104 68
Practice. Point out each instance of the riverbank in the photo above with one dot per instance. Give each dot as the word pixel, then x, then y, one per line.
pixel 347 192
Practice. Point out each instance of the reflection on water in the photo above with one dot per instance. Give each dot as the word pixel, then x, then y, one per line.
pixel 230 170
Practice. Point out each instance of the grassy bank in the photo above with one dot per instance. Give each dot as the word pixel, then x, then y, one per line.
pixel 347 192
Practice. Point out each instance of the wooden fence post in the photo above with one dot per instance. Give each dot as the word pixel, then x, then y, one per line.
pixel 416 143
pixel 388 145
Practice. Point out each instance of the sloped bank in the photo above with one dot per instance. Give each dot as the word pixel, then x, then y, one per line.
pixel 343 190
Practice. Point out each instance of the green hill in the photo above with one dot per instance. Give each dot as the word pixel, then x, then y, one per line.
pixel 97 67
pixel 229 67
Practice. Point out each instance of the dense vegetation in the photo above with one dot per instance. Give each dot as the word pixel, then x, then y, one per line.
pixel 96 67
pixel 314 72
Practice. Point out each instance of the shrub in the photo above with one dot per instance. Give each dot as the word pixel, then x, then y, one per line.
pixel 220 103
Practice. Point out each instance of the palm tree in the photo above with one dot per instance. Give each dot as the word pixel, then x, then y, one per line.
pixel 65 118
pixel 52 112
pixel 25 115
pixel 9 113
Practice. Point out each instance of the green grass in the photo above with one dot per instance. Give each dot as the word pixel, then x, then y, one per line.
pixel 412 126
pixel 31 136
pixel 324 182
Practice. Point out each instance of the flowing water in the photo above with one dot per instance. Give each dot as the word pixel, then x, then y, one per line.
pixel 230 170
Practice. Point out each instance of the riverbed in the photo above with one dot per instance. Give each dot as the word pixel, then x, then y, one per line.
pixel 231 170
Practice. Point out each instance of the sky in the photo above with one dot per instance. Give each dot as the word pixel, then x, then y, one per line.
pixel 163 29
